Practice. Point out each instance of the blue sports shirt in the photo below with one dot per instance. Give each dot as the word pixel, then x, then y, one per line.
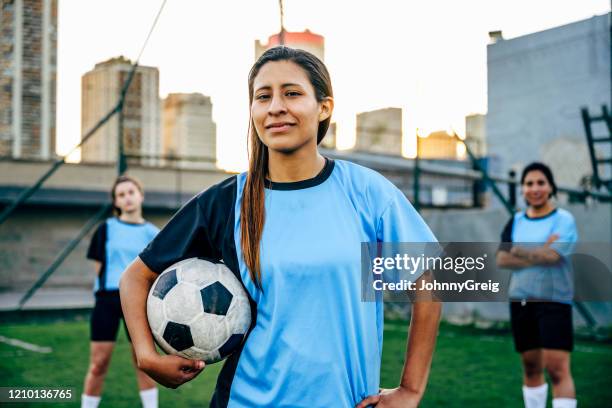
pixel 116 244
pixel 313 342
pixel 543 282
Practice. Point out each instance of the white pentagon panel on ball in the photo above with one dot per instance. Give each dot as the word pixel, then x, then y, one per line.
pixel 199 272
pixel 239 316
pixel 211 332
pixel 182 304
pixel 195 353
pixel 182 264
pixel 155 313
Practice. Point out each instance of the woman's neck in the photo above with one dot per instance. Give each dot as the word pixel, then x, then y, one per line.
pixel 540 211
pixel 298 166
pixel 134 217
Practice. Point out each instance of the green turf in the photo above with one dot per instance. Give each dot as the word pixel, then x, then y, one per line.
pixel 471 368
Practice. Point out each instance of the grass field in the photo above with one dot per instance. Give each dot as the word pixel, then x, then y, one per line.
pixel 471 368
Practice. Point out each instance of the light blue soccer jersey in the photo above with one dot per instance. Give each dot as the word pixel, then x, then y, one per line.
pixel 544 282
pixel 314 343
pixel 116 244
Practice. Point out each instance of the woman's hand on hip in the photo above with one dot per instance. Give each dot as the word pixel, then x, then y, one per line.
pixel 395 398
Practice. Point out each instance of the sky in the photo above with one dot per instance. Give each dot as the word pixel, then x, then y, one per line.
pixel 426 57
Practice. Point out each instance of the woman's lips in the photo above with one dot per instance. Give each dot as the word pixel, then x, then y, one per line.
pixel 280 128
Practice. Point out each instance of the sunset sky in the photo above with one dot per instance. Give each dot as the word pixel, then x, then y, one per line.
pixel 427 57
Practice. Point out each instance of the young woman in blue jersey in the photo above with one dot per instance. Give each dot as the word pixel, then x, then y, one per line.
pixel 116 242
pixel 290 229
pixel 536 243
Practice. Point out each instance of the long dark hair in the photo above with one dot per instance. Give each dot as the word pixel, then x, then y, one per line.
pixel 252 209
pixel 123 179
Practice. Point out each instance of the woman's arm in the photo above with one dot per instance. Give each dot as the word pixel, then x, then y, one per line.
pixel 419 353
pixel 97 267
pixel 541 255
pixel 536 256
pixel 421 343
pixel 170 371
pixel 505 259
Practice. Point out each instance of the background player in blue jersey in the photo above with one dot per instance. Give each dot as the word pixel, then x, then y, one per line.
pixel 536 243
pixel 290 229
pixel 116 242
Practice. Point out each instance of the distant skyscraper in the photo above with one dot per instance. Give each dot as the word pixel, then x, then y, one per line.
pixel 28 45
pixel 101 88
pixel 188 129
pixel 306 40
pixel 380 131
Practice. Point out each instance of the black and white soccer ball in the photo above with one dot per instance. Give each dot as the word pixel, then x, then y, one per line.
pixel 198 310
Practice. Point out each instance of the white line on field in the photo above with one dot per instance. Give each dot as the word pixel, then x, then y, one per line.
pixel 24 345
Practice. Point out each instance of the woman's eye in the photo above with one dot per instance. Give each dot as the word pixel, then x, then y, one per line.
pixel 262 97
pixel 293 93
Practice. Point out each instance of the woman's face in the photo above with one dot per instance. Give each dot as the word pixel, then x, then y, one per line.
pixel 285 111
pixel 128 197
pixel 536 188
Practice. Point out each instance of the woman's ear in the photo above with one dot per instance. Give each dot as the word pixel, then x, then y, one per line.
pixel 326 108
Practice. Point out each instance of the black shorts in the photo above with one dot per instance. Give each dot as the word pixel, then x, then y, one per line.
pixel 105 317
pixel 546 325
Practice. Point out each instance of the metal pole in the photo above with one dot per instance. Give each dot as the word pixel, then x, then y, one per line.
pixel 281 37
pixel 512 188
pixel 416 176
pixel 121 160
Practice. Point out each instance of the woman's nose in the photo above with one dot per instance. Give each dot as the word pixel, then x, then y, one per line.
pixel 277 105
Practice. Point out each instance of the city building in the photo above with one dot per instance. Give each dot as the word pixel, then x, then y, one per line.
pixel 188 130
pixel 305 40
pixel 101 89
pixel 380 131
pixel 438 145
pixel 476 133
pixel 329 141
pixel 28 44
pixel 537 84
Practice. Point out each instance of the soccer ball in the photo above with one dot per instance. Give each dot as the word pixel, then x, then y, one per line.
pixel 198 310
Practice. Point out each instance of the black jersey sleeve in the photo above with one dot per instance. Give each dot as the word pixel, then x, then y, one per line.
pixel 196 230
pixel 97 245
pixel 506 236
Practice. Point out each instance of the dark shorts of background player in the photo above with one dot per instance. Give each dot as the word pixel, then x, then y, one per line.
pixel 105 317
pixel 541 325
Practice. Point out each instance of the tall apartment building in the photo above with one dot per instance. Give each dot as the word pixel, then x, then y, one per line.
pixel 306 40
pixel 189 131
pixel 380 131
pixel 28 45
pixel 101 89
